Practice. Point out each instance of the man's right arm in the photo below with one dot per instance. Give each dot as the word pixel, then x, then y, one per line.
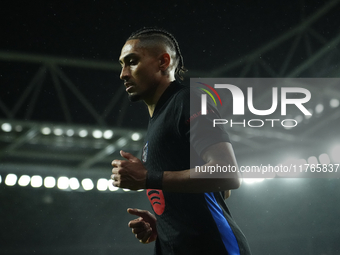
pixel 143 227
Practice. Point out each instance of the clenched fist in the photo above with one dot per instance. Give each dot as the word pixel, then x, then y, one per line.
pixel 130 173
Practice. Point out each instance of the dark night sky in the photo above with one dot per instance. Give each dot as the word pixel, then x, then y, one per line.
pixel 213 33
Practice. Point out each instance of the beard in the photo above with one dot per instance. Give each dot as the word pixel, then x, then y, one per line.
pixel 134 97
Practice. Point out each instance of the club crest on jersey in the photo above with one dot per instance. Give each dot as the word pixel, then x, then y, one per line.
pixel 156 199
pixel 145 152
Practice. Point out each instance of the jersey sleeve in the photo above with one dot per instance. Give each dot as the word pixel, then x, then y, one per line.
pixel 198 129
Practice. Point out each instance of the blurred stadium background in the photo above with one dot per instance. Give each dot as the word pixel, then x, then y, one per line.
pixel 64 116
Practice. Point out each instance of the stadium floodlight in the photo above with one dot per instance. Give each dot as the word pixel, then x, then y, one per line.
pixel 252 180
pixel 319 108
pixel 11 179
pixel 70 132
pixel 18 128
pixel 74 183
pixel 83 133
pixel 46 131
pixel 58 131
pixel 102 184
pixel 312 160
pixel 97 134
pixel 299 118
pixel 108 134
pixel 36 181
pixel 87 184
pixel 24 180
pixel 49 182
pixel 6 127
pixel 334 103
pixel 324 159
pixel 135 136
pixel 63 182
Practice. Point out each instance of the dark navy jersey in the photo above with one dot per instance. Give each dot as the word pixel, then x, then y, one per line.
pixel 187 223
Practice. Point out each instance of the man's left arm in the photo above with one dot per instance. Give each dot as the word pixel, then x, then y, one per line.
pixel 221 154
pixel 131 173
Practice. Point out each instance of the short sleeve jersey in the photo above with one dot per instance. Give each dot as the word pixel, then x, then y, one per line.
pixel 187 223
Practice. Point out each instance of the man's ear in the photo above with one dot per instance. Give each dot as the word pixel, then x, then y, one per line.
pixel 164 61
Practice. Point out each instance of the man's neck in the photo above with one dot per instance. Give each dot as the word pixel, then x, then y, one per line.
pixel 157 95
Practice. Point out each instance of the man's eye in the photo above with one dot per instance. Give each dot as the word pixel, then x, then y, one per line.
pixel 132 62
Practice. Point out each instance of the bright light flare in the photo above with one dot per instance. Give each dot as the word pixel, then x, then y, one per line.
pixel 83 133
pixel 6 127
pixel 11 179
pixel 58 131
pixel 102 184
pixel 46 131
pixel 312 160
pixel 334 103
pixel 324 159
pixel 74 183
pixel 36 181
pixel 97 134
pixel 49 182
pixel 70 132
pixel 319 108
pixel 135 136
pixel 87 184
pixel 63 182
pixel 24 180
pixel 108 134
pixel 252 180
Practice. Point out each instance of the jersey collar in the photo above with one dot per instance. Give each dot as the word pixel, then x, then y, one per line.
pixel 168 92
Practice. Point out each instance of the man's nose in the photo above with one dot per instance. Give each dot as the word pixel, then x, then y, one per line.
pixel 125 73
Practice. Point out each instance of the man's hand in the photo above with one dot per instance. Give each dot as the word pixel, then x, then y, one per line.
pixel 143 227
pixel 130 173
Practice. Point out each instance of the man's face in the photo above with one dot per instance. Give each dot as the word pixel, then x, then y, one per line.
pixel 140 70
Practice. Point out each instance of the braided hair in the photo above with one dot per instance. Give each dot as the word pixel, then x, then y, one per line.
pixel 161 35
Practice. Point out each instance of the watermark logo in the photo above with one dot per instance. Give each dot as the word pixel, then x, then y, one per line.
pixel 270 124
pixel 238 100
pixel 282 97
pixel 204 97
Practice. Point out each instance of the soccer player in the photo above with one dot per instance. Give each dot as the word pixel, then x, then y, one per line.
pixel 189 215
